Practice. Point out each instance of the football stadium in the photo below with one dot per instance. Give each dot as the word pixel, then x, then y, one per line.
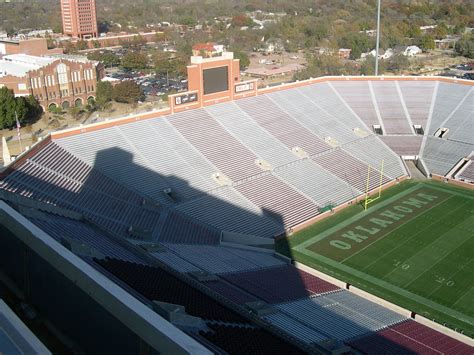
pixel 328 216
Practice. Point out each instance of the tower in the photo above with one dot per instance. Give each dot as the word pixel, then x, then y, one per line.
pixel 79 18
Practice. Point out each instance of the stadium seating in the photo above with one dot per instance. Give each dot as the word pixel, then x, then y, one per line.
pixel 391 107
pixel 467 173
pixel 286 205
pixel 266 284
pixel 230 292
pixel 403 145
pixel 372 152
pixel 228 210
pixel 157 284
pixel 225 152
pixel 313 117
pixel 61 228
pixel 340 315
pixel 448 98
pixel 349 169
pixel 440 155
pixel 359 97
pixel 260 142
pixel 461 121
pixel 219 259
pixel 281 125
pixel 246 340
pixel 318 184
pixel 410 337
pixel 418 96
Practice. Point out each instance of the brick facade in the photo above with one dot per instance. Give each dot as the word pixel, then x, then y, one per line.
pixel 62 83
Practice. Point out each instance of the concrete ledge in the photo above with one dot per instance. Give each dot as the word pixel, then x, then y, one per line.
pixel 319 274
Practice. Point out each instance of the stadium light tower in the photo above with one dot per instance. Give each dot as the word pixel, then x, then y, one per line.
pixel 378 40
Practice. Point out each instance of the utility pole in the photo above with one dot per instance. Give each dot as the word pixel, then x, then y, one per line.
pixel 378 40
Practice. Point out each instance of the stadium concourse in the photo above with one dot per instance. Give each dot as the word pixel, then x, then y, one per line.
pixel 183 209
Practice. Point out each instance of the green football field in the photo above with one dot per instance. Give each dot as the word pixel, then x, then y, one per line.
pixel 414 247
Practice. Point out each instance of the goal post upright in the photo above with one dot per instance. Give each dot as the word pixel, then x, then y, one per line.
pixel 369 200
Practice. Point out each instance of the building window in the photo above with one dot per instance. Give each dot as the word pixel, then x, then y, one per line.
pixel 21 86
pixel 62 73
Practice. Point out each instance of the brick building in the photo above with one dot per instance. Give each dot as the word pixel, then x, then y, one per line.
pixel 31 46
pixel 79 18
pixel 54 81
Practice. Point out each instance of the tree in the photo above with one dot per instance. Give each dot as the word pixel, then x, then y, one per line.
pixel 12 107
pixel 241 20
pixel 104 93
pixel 426 43
pixel 134 60
pixel 465 46
pixel 397 63
pixel 81 45
pixel 128 92
pixel 244 59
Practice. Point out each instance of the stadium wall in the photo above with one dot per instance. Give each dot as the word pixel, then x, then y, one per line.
pixel 454 182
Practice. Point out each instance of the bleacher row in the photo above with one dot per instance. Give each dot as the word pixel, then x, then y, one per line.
pixel 306 308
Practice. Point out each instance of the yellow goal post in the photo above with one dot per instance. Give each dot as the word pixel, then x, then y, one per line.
pixel 368 200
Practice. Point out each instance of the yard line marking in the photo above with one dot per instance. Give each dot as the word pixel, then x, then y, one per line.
pixel 411 238
pixel 464 294
pixel 393 230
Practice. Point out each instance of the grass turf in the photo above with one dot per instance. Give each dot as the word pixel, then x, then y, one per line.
pixel 413 247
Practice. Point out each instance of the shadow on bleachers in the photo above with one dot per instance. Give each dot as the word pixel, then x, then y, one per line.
pixel 310 310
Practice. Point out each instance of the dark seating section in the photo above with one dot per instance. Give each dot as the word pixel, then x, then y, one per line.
pixel 247 340
pixel 230 292
pixel 281 284
pixel 157 284
pixel 410 337
pixel 61 227
pixel 179 228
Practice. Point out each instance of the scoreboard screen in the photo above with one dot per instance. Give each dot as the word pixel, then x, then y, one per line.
pixel 215 80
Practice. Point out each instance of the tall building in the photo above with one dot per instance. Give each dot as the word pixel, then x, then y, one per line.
pixel 79 18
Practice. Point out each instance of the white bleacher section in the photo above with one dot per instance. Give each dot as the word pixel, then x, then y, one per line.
pixel 260 142
pixel 220 259
pixel 323 95
pixel 315 182
pixel 461 121
pixel 170 155
pixel 372 151
pixel 225 152
pixel 340 315
pixel 447 100
pixel 403 145
pixel 109 152
pixel 390 106
pixel 418 96
pixel 281 124
pixel 440 155
pixel 357 94
pixel 467 173
pixel 317 120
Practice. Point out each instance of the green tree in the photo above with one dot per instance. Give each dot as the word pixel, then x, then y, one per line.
pixel 244 59
pixel 134 60
pixel 465 46
pixel 81 45
pixel 426 43
pixel 128 92
pixel 9 106
pixel 104 93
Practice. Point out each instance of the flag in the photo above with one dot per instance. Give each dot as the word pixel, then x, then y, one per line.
pixel 18 126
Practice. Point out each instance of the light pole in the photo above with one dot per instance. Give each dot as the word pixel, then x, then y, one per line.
pixel 378 40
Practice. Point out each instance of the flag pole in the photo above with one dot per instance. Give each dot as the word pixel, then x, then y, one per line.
pixel 18 126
